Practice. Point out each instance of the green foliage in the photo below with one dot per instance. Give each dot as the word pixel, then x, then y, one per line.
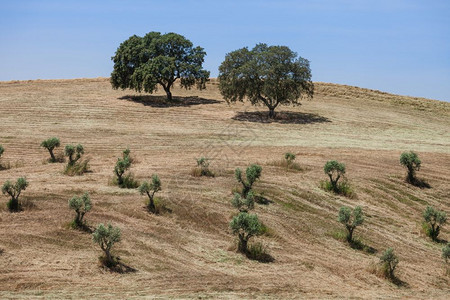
pixel 434 219
pixel 252 173
pixel 334 170
pixel 122 165
pixel 73 153
pixel 14 190
pixel 1 150
pixel 78 168
pixel 50 144
pixel 351 219
pixel 389 262
pixel 412 162
pixel 446 252
pixel 271 75
pixel 289 157
pixel 150 189
pixel 245 226
pixel 106 237
pixel 141 63
pixel 202 168
pixel 81 205
pixel 243 204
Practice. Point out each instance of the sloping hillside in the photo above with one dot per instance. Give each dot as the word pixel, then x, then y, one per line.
pixel 189 252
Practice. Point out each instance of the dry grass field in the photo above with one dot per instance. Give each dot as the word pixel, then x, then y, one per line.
pixel 188 253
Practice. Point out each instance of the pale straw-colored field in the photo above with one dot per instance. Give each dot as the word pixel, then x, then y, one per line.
pixel 189 252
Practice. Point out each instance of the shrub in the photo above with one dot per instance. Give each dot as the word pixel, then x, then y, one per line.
pixel 122 165
pixel 75 166
pixel 106 237
pixel 334 170
pixel 434 219
pixel 150 189
pixel 243 204
pixel 412 162
pixel 252 173
pixel 389 262
pixel 73 153
pixel 14 190
pixel 446 253
pixel 257 251
pixel 81 205
pixel 50 144
pixel 351 219
pixel 1 151
pixel 245 226
pixel 289 157
pixel 202 168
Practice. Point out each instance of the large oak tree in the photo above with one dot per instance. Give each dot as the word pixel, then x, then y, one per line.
pixel 271 75
pixel 143 63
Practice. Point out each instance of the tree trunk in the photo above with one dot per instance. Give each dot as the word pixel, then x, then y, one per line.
pixel 271 112
pixel 151 205
pixel 242 247
pixel 53 159
pixel 350 234
pixel 14 204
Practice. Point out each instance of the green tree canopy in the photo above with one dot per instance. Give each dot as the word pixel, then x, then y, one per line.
pixel 14 190
pixel 271 75
pixel 351 219
pixel 435 219
pixel 334 170
pixel 143 63
pixel 50 144
pixel 412 162
pixel 245 226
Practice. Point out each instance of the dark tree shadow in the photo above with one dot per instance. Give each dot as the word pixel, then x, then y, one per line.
pixel 261 257
pixel 283 117
pixel 2 251
pixel 420 183
pixel 262 200
pixel 398 282
pixel 161 101
pixel 359 245
pixel 117 267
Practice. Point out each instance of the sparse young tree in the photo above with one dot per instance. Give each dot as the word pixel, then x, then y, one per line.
pixel 289 157
pixel 351 219
pixel 73 153
pixel 446 252
pixel 245 226
pixel 50 145
pixel 14 190
pixel 412 162
pixel 143 63
pixel 81 205
pixel 389 261
pixel 252 173
pixel 435 219
pixel 203 167
pixel 243 204
pixel 122 165
pixel 334 170
pixel 271 75
pixel 150 189
pixel 106 237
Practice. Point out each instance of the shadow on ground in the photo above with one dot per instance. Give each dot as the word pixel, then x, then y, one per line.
pixel 161 101
pixel 283 117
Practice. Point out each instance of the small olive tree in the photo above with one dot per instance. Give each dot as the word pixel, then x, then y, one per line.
pixel 150 189
pixel 434 219
pixel 202 167
pixel 50 144
pixel 81 205
pixel 14 190
pixel 334 170
pixel 73 153
pixel 389 262
pixel 106 237
pixel 446 253
pixel 289 157
pixel 411 161
pixel 245 226
pixel 122 165
pixel 351 219
pixel 243 204
pixel 252 173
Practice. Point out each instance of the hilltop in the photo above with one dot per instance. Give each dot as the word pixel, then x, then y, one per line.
pixel 189 252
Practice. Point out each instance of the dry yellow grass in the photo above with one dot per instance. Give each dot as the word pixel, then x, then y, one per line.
pixel 186 253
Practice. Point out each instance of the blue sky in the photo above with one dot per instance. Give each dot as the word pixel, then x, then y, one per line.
pixel 395 46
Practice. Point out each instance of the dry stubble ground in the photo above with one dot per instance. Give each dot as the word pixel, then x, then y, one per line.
pixel 187 253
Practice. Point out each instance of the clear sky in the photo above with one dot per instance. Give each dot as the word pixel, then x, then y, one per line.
pixel 398 46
